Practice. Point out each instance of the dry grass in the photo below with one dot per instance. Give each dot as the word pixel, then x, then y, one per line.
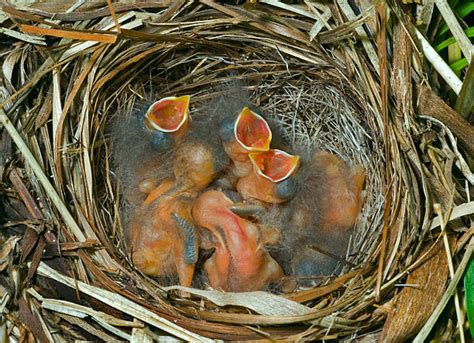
pixel 62 97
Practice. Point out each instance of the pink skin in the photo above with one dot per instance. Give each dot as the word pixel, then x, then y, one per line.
pixel 157 243
pixel 240 263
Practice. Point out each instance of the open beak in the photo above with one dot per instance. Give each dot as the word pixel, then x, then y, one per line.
pixel 274 165
pixel 252 131
pixel 168 114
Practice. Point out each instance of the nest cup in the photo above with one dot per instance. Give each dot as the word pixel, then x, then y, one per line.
pixel 313 114
pixel 316 103
pixel 321 98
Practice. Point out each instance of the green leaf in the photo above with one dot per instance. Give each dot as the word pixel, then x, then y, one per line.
pixel 459 65
pixel 465 101
pixel 469 289
pixel 469 32
pixel 465 9
pixel 462 11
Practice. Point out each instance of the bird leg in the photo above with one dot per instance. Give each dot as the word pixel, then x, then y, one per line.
pixel 167 186
pixel 190 238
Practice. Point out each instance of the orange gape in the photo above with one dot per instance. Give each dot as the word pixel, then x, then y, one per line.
pixel 169 115
pixel 240 262
pixel 162 239
pixel 266 182
pixel 251 133
pixel 341 191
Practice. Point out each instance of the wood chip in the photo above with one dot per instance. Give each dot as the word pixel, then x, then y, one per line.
pixel 30 320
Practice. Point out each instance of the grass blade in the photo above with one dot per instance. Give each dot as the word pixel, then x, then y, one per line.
pixel 469 289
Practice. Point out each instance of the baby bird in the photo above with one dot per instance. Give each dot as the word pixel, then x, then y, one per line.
pixel 162 237
pixel 322 214
pixel 340 191
pixel 240 261
pixel 246 134
pixel 144 143
pixel 271 179
pixel 163 240
pixel 167 119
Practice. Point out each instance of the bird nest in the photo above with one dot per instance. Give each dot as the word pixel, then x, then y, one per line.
pixel 325 88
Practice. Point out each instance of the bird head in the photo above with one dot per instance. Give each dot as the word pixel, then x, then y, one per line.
pixel 252 131
pixel 274 165
pixel 194 165
pixel 272 179
pixel 168 115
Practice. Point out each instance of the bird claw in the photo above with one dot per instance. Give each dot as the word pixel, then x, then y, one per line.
pixel 248 210
pixel 190 238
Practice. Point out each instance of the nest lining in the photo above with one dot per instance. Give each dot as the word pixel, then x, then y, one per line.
pixel 316 113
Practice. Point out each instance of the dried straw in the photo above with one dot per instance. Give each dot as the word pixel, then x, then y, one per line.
pixel 72 69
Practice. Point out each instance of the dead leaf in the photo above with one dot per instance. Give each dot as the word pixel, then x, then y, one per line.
pixel 5 151
pixel 261 302
pixel 79 35
pixel 31 236
pixel 46 110
pixel 48 9
pixel 415 303
pixel 432 105
pixel 5 251
pixel 88 243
